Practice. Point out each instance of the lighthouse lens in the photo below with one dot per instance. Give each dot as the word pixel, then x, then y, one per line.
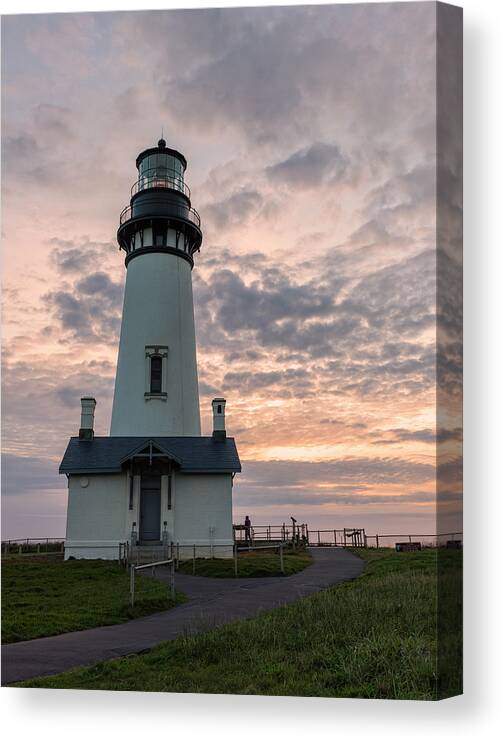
pixel 161 170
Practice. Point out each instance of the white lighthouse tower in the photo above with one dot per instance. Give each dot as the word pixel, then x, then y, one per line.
pixel 156 389
pixel 154 481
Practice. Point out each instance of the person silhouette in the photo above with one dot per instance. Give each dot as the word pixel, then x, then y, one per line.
pixel 247 528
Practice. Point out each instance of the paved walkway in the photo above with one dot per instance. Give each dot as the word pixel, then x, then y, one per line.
pixel 211 602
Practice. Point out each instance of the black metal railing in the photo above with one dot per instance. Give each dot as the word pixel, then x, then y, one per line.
pixel 33 545
pixel 189 214
pixel 347 537
pixel 167 179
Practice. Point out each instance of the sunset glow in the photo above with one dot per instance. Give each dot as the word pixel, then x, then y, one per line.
pixel 311 146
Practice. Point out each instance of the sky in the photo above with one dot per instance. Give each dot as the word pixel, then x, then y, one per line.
pixel 310 135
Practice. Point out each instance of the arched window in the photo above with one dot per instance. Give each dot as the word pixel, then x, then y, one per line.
pixel 155 374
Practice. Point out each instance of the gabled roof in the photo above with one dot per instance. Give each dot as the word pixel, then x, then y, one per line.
pixel 154 447
pixel 192 454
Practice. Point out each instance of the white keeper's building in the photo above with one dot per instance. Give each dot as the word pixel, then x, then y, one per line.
pixel 155 480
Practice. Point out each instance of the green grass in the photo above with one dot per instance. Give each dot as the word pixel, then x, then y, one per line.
pixel 44 596
pixel 374 637
pixel 254 564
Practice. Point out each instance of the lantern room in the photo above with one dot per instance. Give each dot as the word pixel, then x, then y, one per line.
pixel 161 167
pixel 160 216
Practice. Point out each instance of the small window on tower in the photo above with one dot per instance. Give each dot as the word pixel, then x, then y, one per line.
pixel 219 408
pixel 155 374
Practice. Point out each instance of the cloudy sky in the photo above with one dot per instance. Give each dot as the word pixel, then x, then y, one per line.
pixel 310 137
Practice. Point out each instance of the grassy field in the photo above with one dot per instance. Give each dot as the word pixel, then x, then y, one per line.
pixel 374 637
pixel 44 596
pixel 254 564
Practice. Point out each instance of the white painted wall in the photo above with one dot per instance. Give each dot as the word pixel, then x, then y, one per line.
pixel 132 515
pixel 99 517
pixel 158 310
pixel 96 516
pixel 202 502
pixel 166 514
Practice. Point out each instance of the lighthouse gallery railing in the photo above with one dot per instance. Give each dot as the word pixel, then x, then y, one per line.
pixel 189 214
pixel 168 179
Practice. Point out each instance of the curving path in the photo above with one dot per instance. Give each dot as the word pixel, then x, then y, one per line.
pixel 211 602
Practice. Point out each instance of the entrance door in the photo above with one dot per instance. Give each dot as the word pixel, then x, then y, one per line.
pixel 149 529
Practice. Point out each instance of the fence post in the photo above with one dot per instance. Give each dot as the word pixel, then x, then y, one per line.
pixel 235 560
pixel 172 580
pixel 193 571
pixel 282 558
pixel 377 541
pixel 131 586
pixel 177 554
pixel 409 538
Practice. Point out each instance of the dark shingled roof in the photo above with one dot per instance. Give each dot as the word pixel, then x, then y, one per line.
pixel 193 454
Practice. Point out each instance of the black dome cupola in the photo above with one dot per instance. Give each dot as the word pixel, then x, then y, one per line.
pixel 160 217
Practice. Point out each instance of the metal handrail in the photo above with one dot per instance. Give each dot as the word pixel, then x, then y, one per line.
pixel 272 546
pixel 191 214
pixel 172 181
pixel 152 565
pixel 134 568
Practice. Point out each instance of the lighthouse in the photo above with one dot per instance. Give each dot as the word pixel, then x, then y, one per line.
pixel 155 481
pixel 156 389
